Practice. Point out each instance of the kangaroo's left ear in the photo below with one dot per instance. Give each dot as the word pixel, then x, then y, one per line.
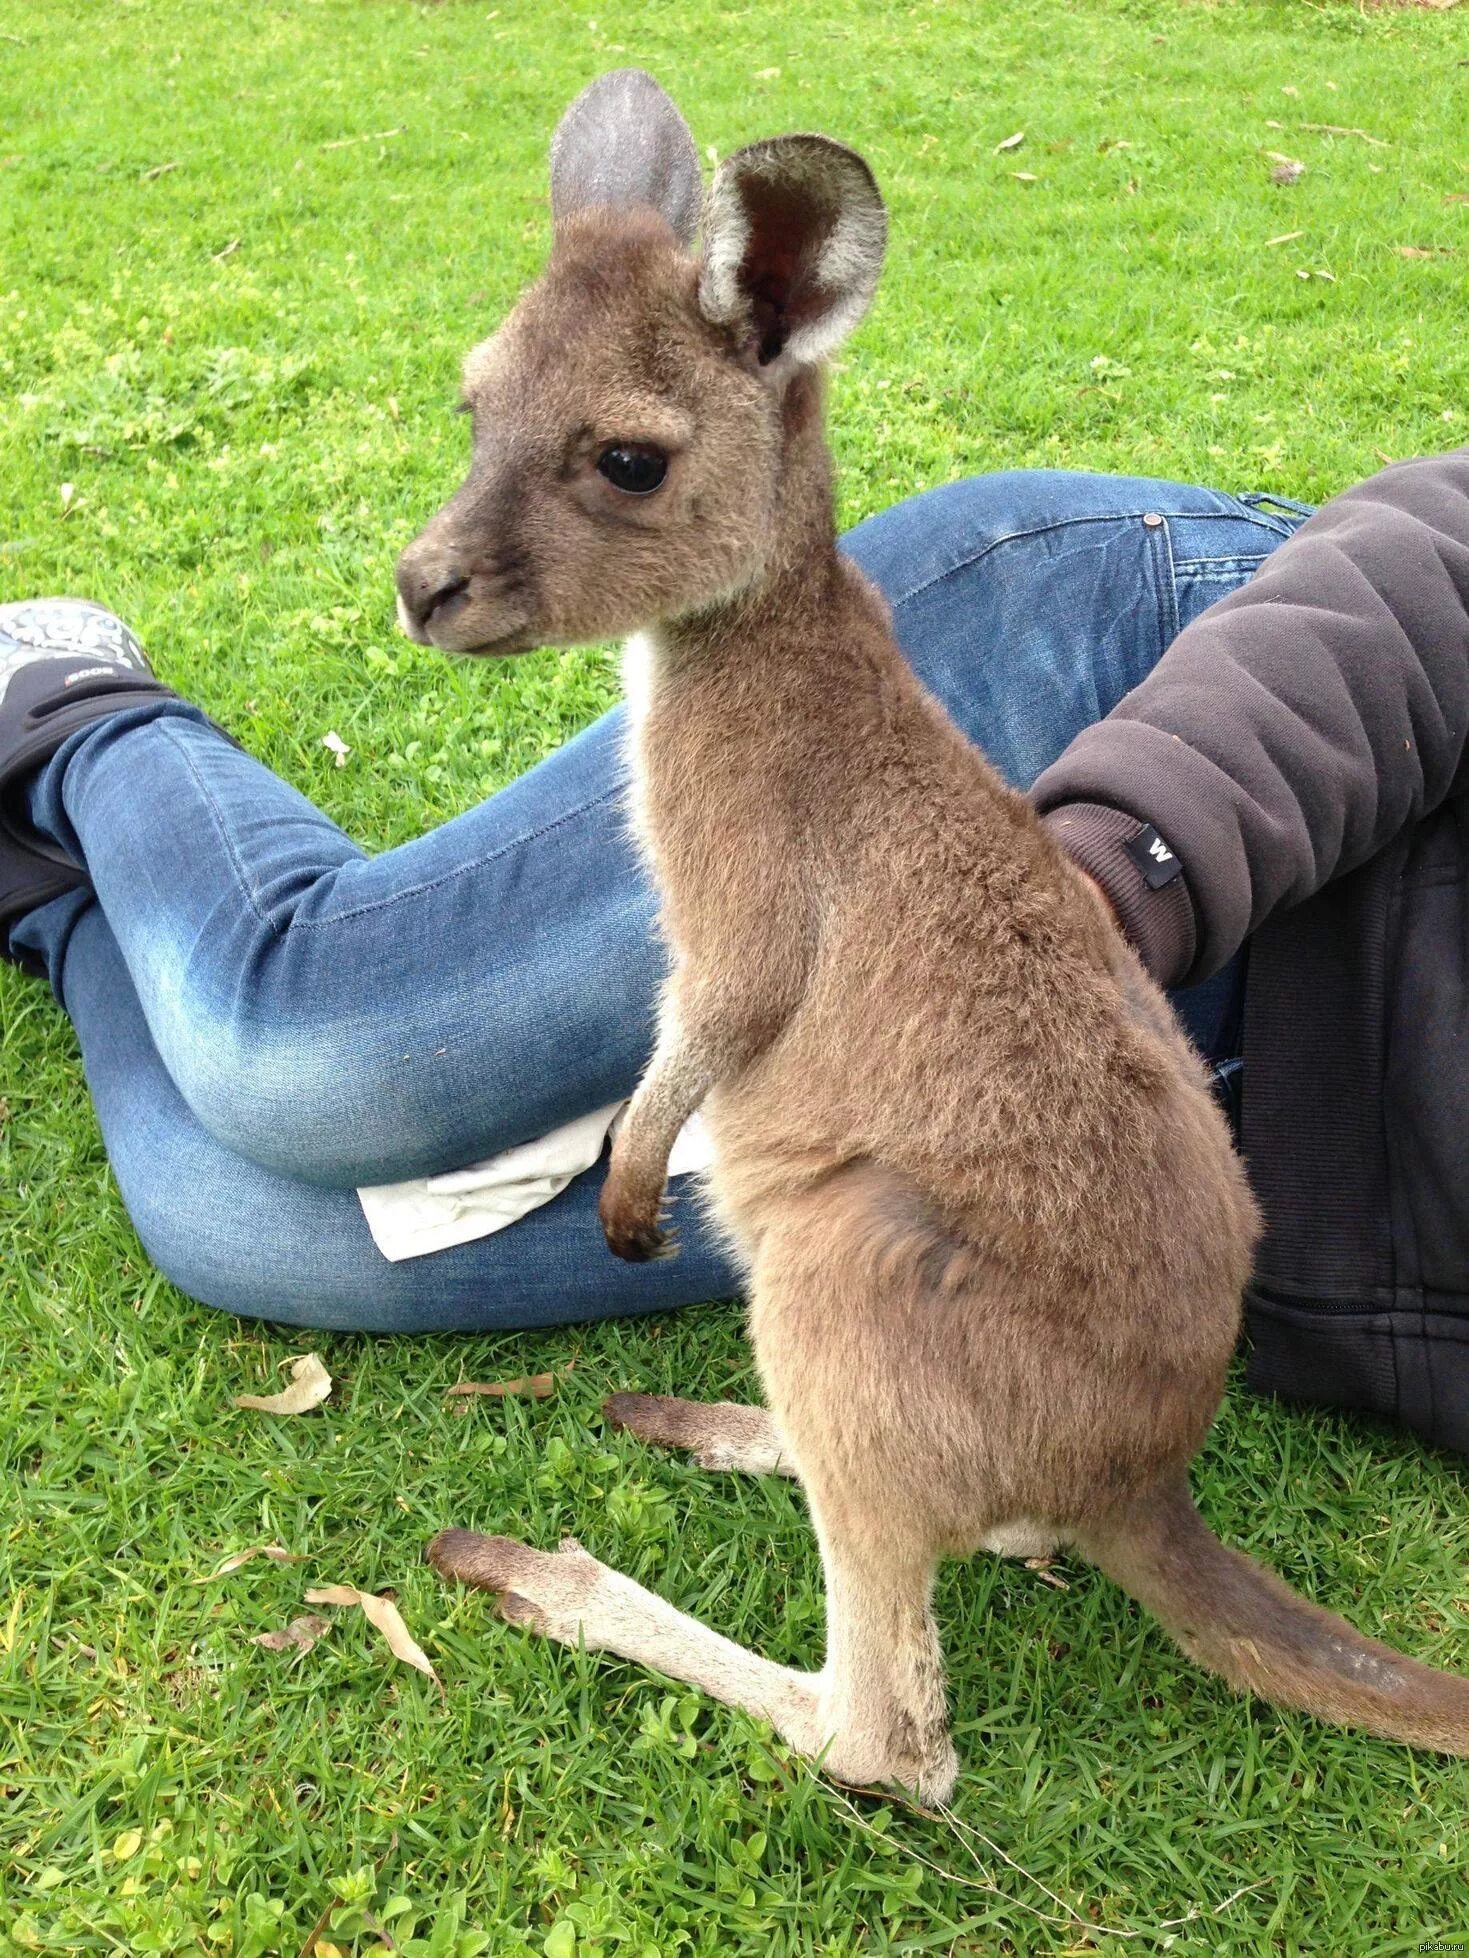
pixel 794 231
pixel 623 142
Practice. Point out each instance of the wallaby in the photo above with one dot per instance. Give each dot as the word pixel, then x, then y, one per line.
pixel 993 1227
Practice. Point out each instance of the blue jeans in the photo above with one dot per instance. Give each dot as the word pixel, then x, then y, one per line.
pixel 269 1017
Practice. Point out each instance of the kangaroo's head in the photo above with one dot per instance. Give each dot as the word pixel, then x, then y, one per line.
pixel 633 416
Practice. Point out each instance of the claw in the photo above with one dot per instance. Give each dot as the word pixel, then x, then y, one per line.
pixel 631 1220
pixel 639 1244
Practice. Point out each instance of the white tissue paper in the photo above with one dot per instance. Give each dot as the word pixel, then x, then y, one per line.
pixel 430 1213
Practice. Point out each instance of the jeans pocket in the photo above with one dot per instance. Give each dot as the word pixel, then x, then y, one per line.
pixel 1199 583
pixel 1214 555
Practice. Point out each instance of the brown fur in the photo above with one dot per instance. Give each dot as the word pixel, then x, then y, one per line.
pixel 993 1225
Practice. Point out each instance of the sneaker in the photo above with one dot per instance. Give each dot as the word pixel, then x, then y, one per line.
pixel 63 662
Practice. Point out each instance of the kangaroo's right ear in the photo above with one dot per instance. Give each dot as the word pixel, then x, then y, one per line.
pixel 794 234
pixel 622 141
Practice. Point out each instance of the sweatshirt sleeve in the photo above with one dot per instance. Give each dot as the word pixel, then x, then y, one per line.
pixel 1287 734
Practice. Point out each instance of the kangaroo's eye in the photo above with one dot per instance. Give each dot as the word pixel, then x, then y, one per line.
pixel 634 467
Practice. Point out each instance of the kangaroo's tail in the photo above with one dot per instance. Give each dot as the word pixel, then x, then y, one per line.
pixel 1241 1622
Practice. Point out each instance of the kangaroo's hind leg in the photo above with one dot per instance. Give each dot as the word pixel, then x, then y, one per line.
pixel 875 1713
pixel 882 1695
pixel 881 1701
pixel 718 1434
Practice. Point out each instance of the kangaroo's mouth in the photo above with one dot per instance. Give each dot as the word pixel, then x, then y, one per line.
pixel 460 620
pixel 514 642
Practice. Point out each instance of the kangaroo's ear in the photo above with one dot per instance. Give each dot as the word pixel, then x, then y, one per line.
pixel 794 232
pixel 623 142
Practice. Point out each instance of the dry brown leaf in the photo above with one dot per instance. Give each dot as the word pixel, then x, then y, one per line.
pixel 538 1386
pixel 1288 173
pixel 1456 197
pixel 310 1385
pixel 385 1616
pixel 377 136
pixel 1025 176
pixel 1285 237
pixel 276 1552
pixel 300 1635
pixel 1424 251
pixel 1337 129
pixel 1042 1568
pixel 1010 143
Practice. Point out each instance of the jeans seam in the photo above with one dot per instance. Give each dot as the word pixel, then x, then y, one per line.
pixel 1239 562
pixel 220 826
pixel 1067 523
pixel 410 890
pixel 460 869
pixel 1165 588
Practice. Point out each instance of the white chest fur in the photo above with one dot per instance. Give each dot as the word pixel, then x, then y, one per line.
pixel 639 656
pixel 639 662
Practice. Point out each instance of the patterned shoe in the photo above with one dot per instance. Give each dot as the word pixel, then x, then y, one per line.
pixel 63 662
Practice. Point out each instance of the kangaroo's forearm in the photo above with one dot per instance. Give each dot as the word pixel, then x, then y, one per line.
pixel 674 1087
pixel 697 1048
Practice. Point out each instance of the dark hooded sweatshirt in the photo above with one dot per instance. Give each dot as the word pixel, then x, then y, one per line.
pixel 1303 749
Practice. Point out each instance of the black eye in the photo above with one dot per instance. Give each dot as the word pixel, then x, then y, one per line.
pixel 633 467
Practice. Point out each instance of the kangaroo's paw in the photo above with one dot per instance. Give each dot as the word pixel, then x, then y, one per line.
pixel 718 1434
pixel 632 1224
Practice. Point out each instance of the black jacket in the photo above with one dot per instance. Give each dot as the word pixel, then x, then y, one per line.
pixel 1303 747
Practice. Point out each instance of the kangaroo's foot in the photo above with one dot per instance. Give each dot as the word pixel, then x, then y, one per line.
pixel 718 1434
pixel 568 1596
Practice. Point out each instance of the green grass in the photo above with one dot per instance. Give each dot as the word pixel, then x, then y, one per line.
pixel 238 345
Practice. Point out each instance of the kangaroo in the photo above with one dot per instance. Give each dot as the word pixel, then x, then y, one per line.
pixel 993 1227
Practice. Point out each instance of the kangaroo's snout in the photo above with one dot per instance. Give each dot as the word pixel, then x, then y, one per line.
pixel 425 590
pixel 457 596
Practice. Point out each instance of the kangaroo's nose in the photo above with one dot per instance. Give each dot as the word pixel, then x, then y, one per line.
pixel 451 588
pixel 427 580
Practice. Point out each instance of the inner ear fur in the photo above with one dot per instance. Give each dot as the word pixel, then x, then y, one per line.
pixel 794 233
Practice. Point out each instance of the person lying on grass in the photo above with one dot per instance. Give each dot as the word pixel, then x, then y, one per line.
pixel 371 1093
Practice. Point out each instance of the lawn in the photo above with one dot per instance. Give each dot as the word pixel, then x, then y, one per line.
pixel 241 251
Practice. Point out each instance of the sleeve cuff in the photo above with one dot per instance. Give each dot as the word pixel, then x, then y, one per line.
pixel 1158 921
